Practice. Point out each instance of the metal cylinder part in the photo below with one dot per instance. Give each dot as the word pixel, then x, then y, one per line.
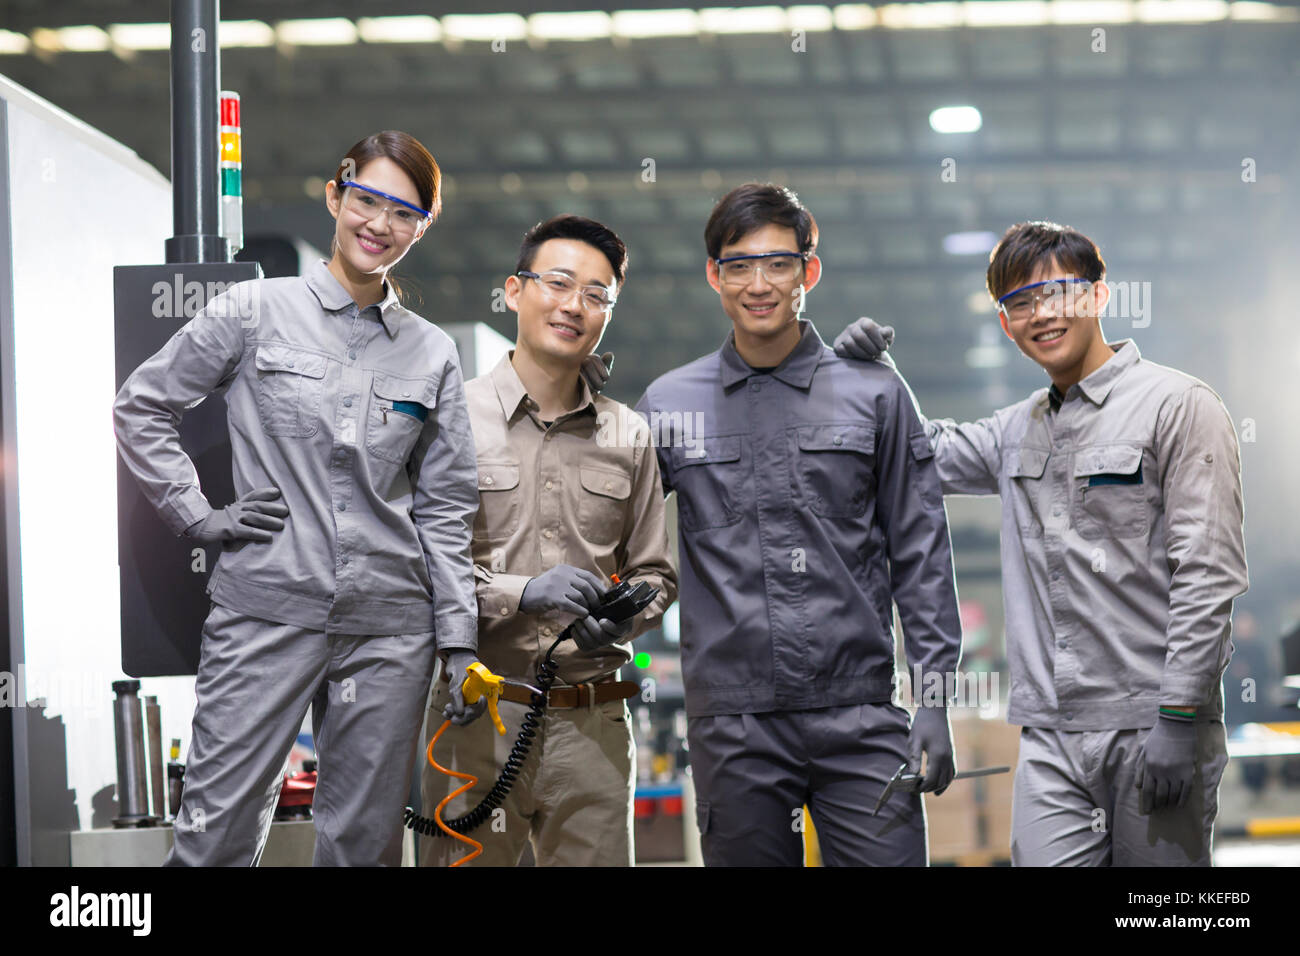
pixel 128 727
pixel 154 747
pixel 196 79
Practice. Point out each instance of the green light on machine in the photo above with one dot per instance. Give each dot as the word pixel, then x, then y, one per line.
pixel 642 660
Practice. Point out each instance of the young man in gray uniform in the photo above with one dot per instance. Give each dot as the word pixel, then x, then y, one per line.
pixel 569 494
pixel 1122 552
pixel 807 499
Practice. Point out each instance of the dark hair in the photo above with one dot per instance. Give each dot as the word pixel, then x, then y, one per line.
pixel 753 206
pixel 408 153
pixel 581 229
pixel 1027 245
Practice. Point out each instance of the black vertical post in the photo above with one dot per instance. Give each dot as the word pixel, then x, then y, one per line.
pixel 196 80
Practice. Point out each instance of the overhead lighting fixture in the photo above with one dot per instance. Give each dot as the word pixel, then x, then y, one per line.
pixel 1006 13
pixel 417 29
pixel 586 25
pixel 1091 11
pixel 639 24
pixel 809 17
pixel 1248 10
pixel 84 39
pixel 854 16
pixel 141 36
pixel 11 42
pixel 484 27
pixel 969 243
pixel 245 33
pixel 322 31
pixel 920 16
pixel 1181 11
pixel 955 119
pixel 743 20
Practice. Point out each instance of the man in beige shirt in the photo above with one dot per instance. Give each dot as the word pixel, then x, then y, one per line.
pixel 569 494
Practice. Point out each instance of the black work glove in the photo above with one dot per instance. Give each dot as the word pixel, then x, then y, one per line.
pixel 930 735
pixel 589 634
pixel 596 370
pixel 457 711
pixel 865 341
pixel 253 517
pixel 1166 764
pixel 562 588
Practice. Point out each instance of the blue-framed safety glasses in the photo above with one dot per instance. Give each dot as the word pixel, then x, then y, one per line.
pixel 404 218
pixel 778 268
pixel 1061 294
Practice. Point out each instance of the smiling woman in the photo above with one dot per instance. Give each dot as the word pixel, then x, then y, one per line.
pixel 384 195
pixel 349 543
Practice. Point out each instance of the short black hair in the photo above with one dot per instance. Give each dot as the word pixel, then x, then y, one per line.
pixel 1027 245
pixel 753 206
pixel 574 227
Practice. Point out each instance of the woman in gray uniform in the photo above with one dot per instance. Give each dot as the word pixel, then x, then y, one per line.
pixel 348 547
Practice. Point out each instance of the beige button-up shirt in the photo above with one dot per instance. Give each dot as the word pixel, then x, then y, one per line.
pixel 583 491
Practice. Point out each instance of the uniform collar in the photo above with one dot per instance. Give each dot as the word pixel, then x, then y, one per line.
pixel 796 369
pixel 1098 385
pixel 334 297
pixel 511 392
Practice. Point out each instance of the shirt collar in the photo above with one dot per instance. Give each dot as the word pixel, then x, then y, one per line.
pixel 511 392
pixel 796 369
pixel 334 297
pixel 1098 385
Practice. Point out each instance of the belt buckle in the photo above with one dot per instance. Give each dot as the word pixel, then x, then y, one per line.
pixel 591 694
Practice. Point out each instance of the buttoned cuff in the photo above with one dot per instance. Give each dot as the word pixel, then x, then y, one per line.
pixel 185 510
pixel 499 595
pixel 1187 691
pixel 456 632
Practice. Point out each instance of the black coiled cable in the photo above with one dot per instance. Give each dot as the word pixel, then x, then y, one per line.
pixel 514 765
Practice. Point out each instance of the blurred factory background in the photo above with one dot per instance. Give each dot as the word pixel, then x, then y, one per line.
pixel 1167 130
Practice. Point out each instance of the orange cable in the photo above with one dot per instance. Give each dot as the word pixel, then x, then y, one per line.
pixel 437 814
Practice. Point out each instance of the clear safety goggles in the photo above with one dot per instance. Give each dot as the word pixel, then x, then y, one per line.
pixel 777 268
pixel 1060 296
pixel 560 287
pixel 404 219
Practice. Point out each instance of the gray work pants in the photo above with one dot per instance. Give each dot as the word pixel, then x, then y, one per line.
pixel 754 773
pixel 256 680
pixel 1075 804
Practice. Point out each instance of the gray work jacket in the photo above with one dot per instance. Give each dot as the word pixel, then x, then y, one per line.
pixel 807 501
pixel 1122 545
pixel 358 416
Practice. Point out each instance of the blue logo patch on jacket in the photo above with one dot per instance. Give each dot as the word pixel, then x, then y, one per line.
pixel 1133 479
pixel 414 409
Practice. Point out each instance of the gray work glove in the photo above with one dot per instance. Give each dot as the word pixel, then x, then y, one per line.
pixel 562 588
pixel 253 517
pixel 596 370
pixel 457 711
pixel 1166 764
pixel 865 341
pixel 589 634
pixel 930 735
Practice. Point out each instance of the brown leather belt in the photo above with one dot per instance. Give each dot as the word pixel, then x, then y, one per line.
pixel 577 695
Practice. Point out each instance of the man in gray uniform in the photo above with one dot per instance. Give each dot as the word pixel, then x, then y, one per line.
pixel 1122 552
pixel 807 498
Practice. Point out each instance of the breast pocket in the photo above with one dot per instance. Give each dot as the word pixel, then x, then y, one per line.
pixel 1109 495
pixel 836 468
pixel 498 501
pixel 1024 466
pixel 710 482
pixel 289 385
pixel 399 408
pixel 603 503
